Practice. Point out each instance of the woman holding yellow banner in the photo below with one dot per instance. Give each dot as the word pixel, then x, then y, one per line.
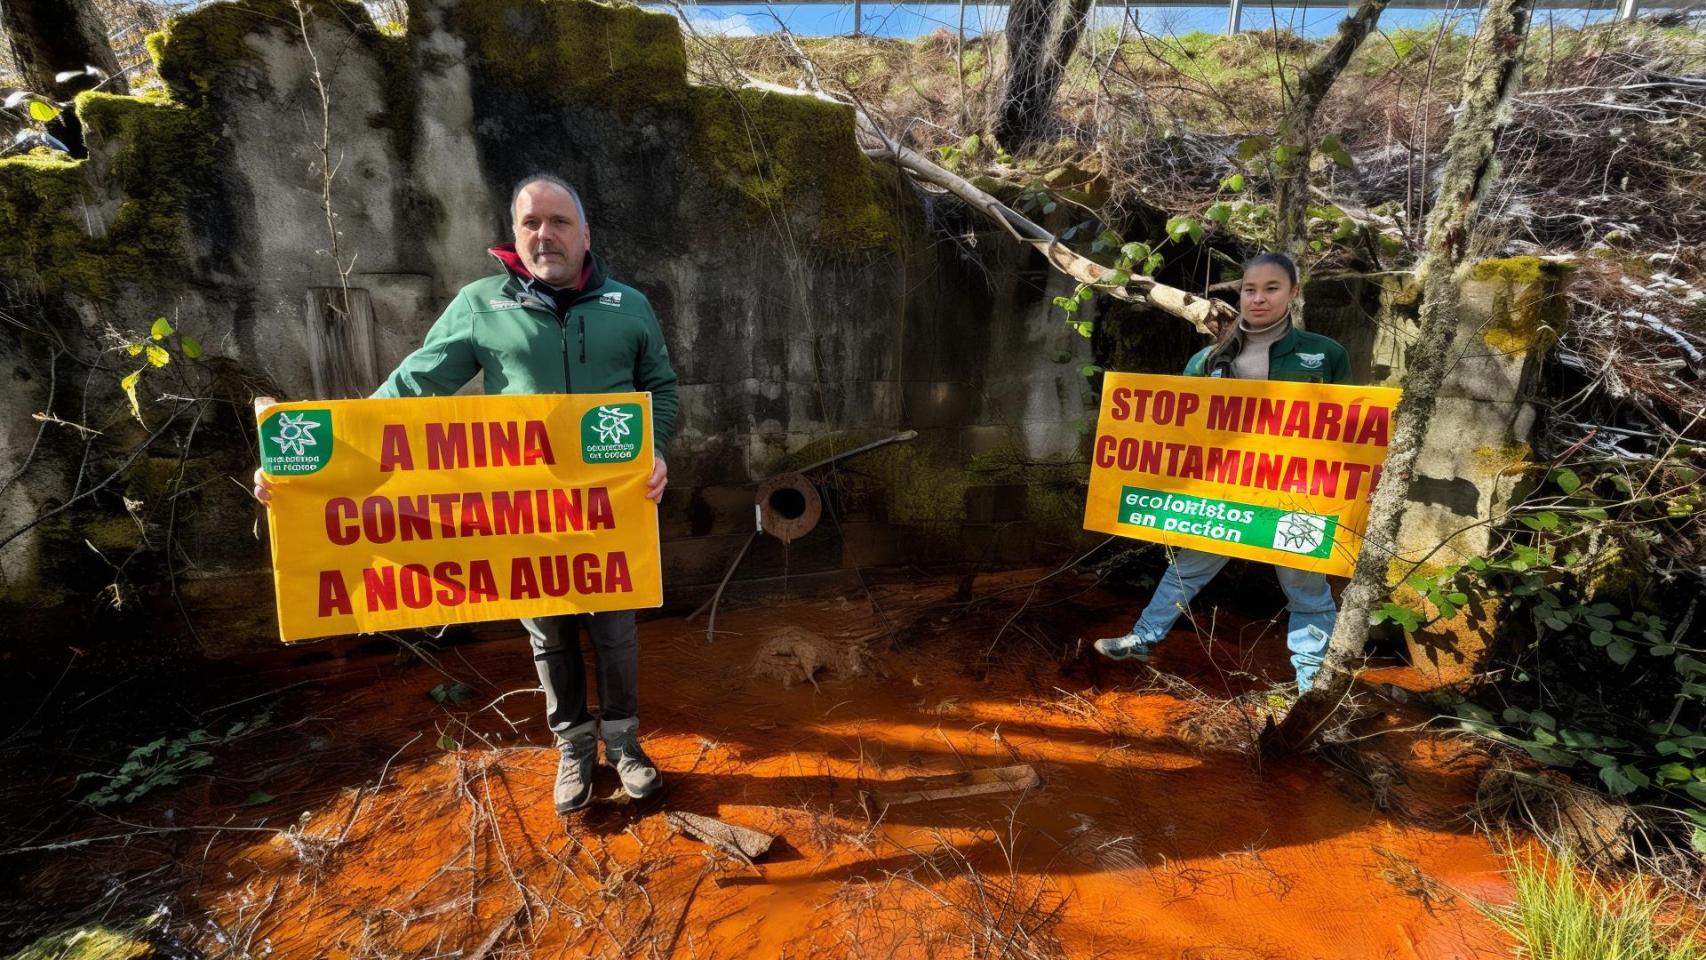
pixel 1263 345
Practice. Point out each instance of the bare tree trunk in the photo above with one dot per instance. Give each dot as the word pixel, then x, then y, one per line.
pixel 1490 82
pixel 1075 18
pixel 1017 119
pixel 49 37
pixel 1041 37
pixel 1297 128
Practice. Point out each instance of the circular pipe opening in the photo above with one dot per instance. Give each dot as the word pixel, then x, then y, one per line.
pixel 788 506
pixel 788 503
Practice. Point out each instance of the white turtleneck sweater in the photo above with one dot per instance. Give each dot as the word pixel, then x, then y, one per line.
pixel 1252 361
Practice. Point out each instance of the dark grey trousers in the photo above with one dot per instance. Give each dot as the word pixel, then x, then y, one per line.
pixel 557 656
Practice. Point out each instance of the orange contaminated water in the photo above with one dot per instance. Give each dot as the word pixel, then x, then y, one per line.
pixel 391 825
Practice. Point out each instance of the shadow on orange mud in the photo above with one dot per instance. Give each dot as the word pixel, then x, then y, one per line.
pixel 1141 841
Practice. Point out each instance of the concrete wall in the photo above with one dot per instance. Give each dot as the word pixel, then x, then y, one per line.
pixel 807 306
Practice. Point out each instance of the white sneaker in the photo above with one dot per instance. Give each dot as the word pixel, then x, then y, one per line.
pixel 1129 647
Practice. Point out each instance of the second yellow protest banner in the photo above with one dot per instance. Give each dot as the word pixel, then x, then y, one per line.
pixel 1259 469
pixel 426 511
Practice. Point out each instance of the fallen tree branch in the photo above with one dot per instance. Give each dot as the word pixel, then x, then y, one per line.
pixel 1200 311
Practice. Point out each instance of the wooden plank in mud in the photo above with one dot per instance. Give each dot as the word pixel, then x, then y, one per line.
pixel 969 783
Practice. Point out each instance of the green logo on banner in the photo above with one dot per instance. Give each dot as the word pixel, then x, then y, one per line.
pixel 296 442
pixel 1272 528
pixel 612 433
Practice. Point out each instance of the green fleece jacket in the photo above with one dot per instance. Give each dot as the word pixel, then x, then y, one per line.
pixel 606 339
pixel 1299 357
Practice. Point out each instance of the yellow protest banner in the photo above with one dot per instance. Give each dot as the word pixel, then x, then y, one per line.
pixel 1259 469
pixel 425 511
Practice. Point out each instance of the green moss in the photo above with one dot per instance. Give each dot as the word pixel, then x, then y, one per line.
pixel 56 233
pixel 150 478
pixel 576 51
pixel 88 943
pixel 921 490
pixel 793 152
pixel 41 242
pixel 1513 458
pixel 113 533
pixel 204 51
pixel 1516 270
pixel 207 50
pixel 1529 310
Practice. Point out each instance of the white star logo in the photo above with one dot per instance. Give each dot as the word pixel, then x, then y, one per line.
pixel 1300 532
pixel 612 425
pixel 295 435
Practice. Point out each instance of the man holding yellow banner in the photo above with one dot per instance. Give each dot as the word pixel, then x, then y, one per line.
pixel 557 482
pixel 1239 465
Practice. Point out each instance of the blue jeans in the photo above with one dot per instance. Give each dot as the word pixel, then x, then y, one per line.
pixel 1310 601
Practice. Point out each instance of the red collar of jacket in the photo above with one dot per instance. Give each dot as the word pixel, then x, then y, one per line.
pixel 511 260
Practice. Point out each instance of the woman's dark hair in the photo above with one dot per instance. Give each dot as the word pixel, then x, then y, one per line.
pixel 1271 259
pixel 1231 340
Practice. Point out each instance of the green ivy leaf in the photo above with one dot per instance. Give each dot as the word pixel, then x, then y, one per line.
pixel 161 329
pixel 1566 480
pixel 1401 615
pixel 191 346
pixel 1623 779
pixel 1089 370
pixel 1470 711
pixel 1180 227
pixel 1219 213
pixel 1234 183
pixel 1251 147
pixel 1331 146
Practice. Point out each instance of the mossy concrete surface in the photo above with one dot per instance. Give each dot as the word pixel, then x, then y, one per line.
pixel 1510 312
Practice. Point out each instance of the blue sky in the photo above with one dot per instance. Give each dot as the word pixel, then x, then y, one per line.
pixel 916 19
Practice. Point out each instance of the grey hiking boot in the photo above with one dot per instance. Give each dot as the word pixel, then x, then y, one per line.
pixel 579 756
pixel 638 774
pixel 1129 647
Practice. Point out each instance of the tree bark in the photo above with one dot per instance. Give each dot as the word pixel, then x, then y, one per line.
pixel 49 37
pixel 1041 37
pixel 1297 128
pixel 1490 82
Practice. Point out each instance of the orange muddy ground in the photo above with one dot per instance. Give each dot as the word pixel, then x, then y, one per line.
pixel 382 839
